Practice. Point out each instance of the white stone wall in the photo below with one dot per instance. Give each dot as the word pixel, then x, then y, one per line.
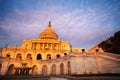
pixel 80 64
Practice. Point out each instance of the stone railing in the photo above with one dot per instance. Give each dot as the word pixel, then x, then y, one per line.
pixel 111 56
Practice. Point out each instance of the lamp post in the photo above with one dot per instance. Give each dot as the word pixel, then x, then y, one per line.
pixel 70 48
pixel 83 50
pixel 96 52
pixel 96 57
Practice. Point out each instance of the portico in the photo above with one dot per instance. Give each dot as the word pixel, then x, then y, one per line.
pixel 23 70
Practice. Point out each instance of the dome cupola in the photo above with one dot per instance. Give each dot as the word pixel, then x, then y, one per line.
pixel 48 33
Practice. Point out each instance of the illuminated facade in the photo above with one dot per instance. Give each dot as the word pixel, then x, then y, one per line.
pixel 47 46
pixel 48 55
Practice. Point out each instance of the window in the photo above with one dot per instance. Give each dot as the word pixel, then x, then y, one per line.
pixel 8 55
pixel 18 56
pixel 29 56
pixel 39 57
pixel 65 54
pixel 61 68
pixel 48 56
pixel 83 50
pixel 58 56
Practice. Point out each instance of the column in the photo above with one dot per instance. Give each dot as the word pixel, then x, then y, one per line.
pixel 37 45
pixel 58 46
pixel 16 71
pixel 43 46
pixel 40 46
pixel 27 71
pixel 53 46
pixel 46 46
pixel 34 46
pixel 50 46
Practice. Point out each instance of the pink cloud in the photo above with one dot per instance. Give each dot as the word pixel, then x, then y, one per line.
pixel 78 26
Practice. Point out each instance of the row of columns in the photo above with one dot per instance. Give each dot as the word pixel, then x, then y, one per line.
pixel 46 46
pixel 22 71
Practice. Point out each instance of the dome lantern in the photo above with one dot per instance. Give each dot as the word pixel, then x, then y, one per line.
pixel 49 25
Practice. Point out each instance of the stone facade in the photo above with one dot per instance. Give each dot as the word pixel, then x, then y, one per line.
pixel 46 46
pixel 48 55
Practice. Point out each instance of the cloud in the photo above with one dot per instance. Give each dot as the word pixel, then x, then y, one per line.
pixel 83 28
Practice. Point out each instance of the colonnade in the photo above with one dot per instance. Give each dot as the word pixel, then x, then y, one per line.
pixel 46 46
pixel 45 69
pixel 22 71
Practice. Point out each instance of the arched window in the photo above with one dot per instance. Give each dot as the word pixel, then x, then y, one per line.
pixel 53 69
pixel 61 68
pixel 48 56
pixel 65 54
pixel 18 56
pixel 69 68
pixel 8 55
pixel 58 56
pixel 83 50
pixel 11 70
pixel 39 57
pixel 44 70
pixel 34 70
pixel 29 57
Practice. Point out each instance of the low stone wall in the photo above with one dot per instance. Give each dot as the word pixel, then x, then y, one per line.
pixel 111 56
pixel 73 64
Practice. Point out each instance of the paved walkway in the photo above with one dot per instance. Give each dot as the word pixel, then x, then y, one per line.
pixel 53 78
pixel 60 77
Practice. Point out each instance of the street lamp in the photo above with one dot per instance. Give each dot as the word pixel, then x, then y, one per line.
pixel 97 50
pixel 96 57
pixel 70 48
pixel 83 50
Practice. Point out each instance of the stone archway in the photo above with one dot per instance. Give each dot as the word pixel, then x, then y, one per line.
pixel 35 70
pixel 61 69
pixel 53 69
pixel 69 68
pixel 44 70
pixel 11 70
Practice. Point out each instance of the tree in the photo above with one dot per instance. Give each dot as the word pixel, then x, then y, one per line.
pixel 112 44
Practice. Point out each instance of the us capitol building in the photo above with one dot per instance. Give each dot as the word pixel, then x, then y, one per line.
pixel 48 55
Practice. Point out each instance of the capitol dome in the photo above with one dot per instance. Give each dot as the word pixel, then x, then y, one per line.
pixel 48 33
